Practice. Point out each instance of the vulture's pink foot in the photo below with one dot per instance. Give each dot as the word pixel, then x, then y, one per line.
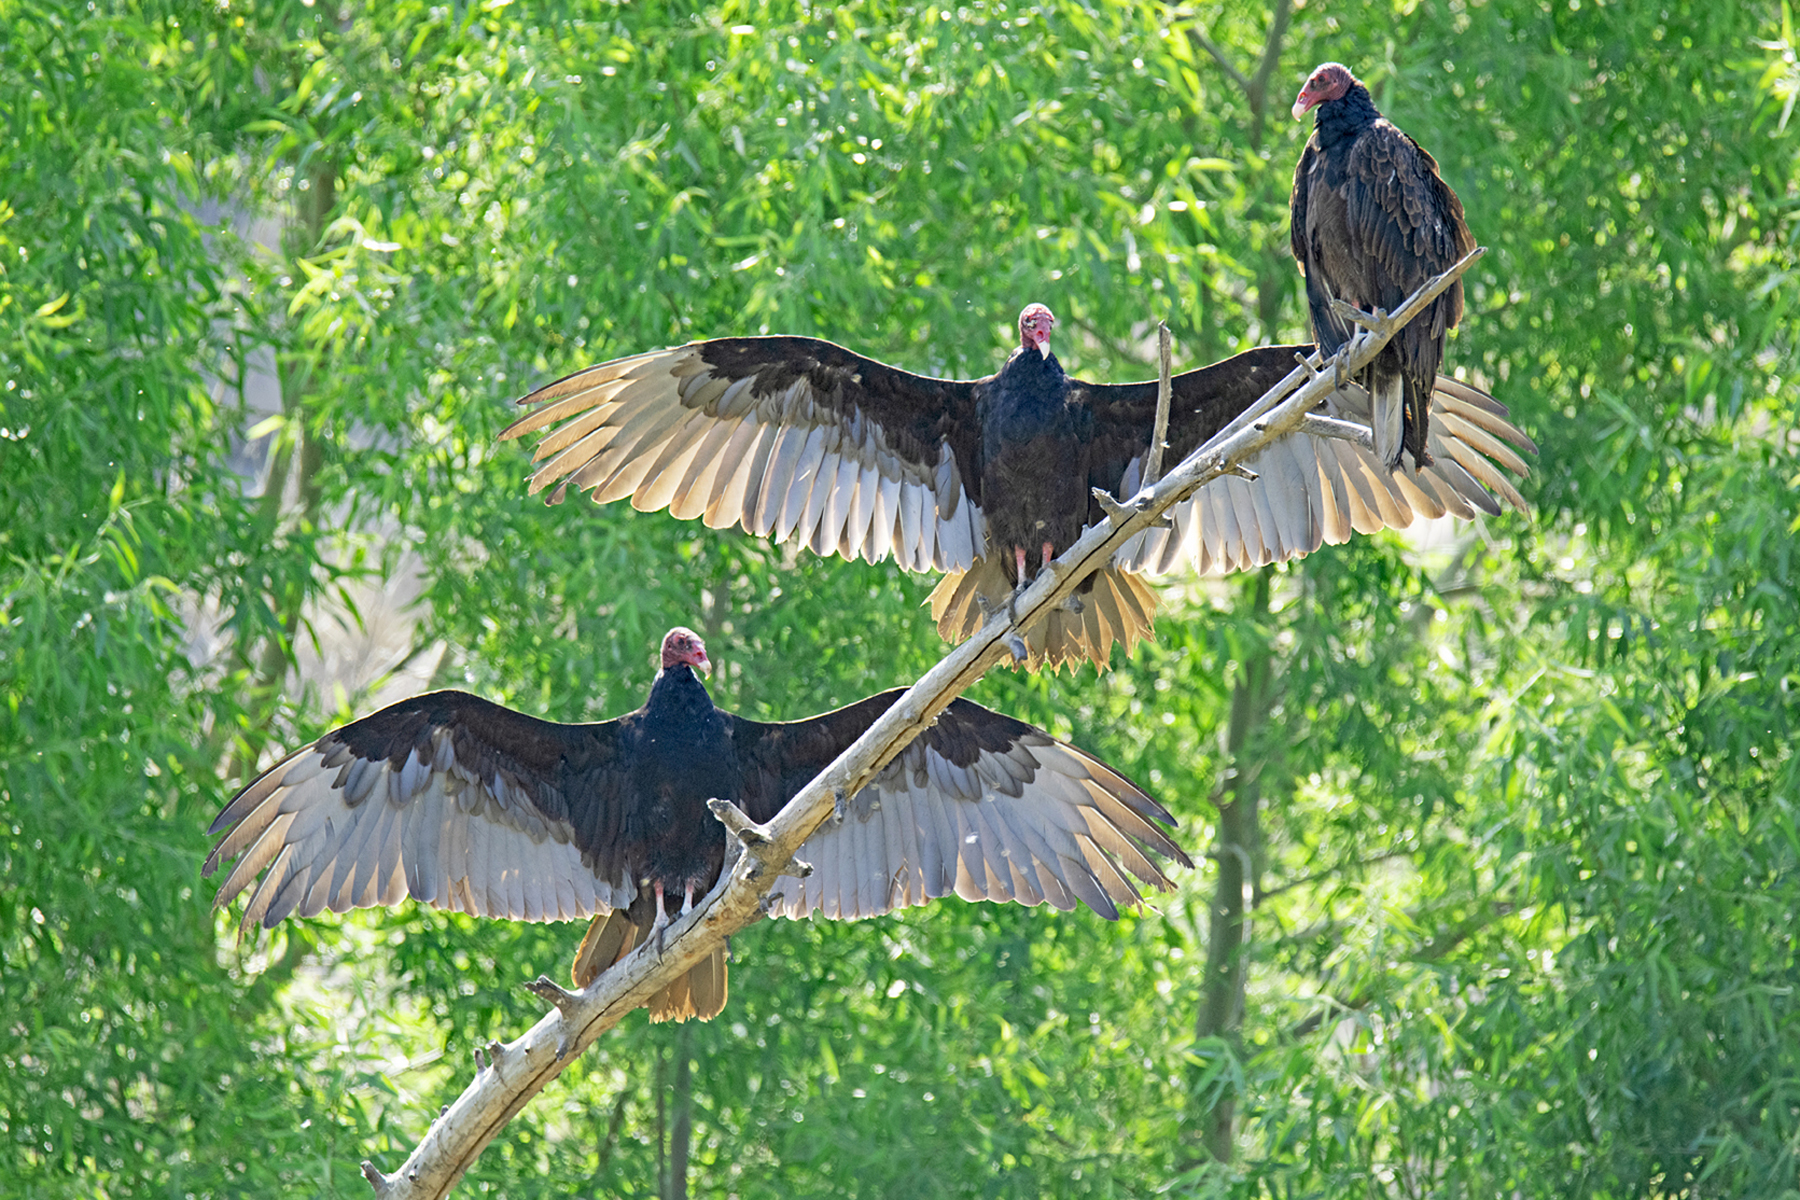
pixel 659 922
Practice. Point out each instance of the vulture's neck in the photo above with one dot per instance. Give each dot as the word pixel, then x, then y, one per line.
pixel 1346 116
pixel 1031 372
pixel 678 693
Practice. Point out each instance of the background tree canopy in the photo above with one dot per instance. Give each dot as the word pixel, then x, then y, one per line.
pixel 1502 821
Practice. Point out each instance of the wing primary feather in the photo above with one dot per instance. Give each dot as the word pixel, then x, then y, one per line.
pixel 694 489
pixel 725 501
pixel 736 502
pixel 777 477
pixel 805 477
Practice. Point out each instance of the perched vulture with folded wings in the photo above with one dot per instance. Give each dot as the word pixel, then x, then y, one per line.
pixel 1370 221
pixel 988 479
pixel 465 805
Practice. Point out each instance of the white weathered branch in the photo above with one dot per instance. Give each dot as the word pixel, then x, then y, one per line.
pixel 1165 391
pixel 510 1075
pixel 1320 425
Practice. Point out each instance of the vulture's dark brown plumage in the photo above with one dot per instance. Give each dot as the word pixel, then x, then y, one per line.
pixel 798 438
pixel 468 806
pixel 1371 220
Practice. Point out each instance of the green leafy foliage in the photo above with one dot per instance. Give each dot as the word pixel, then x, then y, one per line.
pixel 1523 890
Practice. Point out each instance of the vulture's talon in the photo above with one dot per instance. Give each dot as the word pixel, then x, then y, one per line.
pixel 1072 603
pixel 840 804
pixel 660 921
pixel 1016 645
pixel 1334 363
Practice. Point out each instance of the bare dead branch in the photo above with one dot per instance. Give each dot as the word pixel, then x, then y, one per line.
pixel 1356 316
pixel 516 1071
pixel 1320 425
pixel 1165 388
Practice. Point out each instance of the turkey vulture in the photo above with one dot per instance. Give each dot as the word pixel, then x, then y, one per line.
pixel 794 437
pixel 465 805
pixel 1370 221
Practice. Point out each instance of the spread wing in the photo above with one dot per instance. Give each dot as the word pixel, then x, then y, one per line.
pixel 447 798
pixel 979 806
pixel 1309 490
pixel 787 437
pixel 1201 402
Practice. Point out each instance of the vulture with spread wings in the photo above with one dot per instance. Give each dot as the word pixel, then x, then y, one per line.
pixel 1370 220
pixel 989 479
pixel 468 806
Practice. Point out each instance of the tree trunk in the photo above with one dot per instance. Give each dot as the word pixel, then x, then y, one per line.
pixel 662 1121
pixel 266 667
pixel 1237 851
pixel 682 1128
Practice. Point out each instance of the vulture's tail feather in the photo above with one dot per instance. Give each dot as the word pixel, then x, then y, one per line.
pixel 1388 418
pixel 1116 606
pixel 1416 438
pixel 610 937
pixel 699 994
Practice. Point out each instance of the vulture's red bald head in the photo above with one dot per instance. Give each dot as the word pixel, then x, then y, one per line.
pixel 1329 81
pixel 1035 324
pixel 682 645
